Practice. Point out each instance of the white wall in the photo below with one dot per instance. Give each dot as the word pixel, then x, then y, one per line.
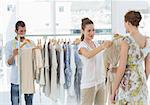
pixel 8 19
pixel 36 17
pixel 119 8
pixel 63 18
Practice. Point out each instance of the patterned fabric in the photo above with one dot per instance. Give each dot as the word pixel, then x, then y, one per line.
pixel 78 73
pixel 133 89
pixel 68 72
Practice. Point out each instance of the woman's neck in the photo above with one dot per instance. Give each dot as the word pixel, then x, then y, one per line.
pixel 138 37
pixel 87 40
pixel 90 43
pixel 135 33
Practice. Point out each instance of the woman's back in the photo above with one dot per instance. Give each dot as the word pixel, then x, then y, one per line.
pixel 133 88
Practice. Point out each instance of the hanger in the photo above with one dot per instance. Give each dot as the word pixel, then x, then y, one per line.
pixel 39 45
pixel 26 41
pixel 65 41
pixel 69 41
pixel 38 42
pixel 58 41
pixel 77 41
pixel 55 41
pixel 50 40
pixel 23 44
pixel 61 41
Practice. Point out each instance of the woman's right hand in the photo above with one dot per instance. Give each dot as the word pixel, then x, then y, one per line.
pixel 107 44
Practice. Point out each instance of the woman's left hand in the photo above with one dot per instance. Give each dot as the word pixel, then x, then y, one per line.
pixel 113 96
pixel 113 99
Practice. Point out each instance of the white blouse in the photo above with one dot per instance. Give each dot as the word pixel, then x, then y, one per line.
pixel 92 68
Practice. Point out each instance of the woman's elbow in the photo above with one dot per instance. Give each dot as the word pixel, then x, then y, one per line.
pixel 88 56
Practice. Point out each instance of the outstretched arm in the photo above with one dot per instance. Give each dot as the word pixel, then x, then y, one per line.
pixel 89 54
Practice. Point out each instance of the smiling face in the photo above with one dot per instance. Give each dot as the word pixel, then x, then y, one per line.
pixel 21 30
pixel 89 31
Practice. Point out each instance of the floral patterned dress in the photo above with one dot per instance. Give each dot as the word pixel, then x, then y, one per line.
pixel 133 88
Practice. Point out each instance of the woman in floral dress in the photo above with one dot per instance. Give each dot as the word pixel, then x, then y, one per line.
pixel 129 86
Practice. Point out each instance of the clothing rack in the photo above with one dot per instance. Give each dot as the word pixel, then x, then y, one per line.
pixel 19 53
pixel 57 35
pixel 19 56
pixel 54 35
pixel 45 36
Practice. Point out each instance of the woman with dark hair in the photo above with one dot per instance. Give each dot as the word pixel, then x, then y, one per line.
pixel 130 86
pixel 93 73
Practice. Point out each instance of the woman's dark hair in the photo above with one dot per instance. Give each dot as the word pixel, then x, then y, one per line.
pixel 134 17
pixel 19 24
pixel 85 21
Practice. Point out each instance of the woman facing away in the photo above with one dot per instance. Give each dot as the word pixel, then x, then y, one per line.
pixel 130 86
pixel 93 77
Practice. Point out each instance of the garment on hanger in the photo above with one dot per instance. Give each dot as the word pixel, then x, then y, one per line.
pixel 78 73
pixel 58 48
pixel 27 84
pixel 73 69
pixel 62 75
pixel 67 68
pixel 38 64
pixel 54 65
pixel 47 69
